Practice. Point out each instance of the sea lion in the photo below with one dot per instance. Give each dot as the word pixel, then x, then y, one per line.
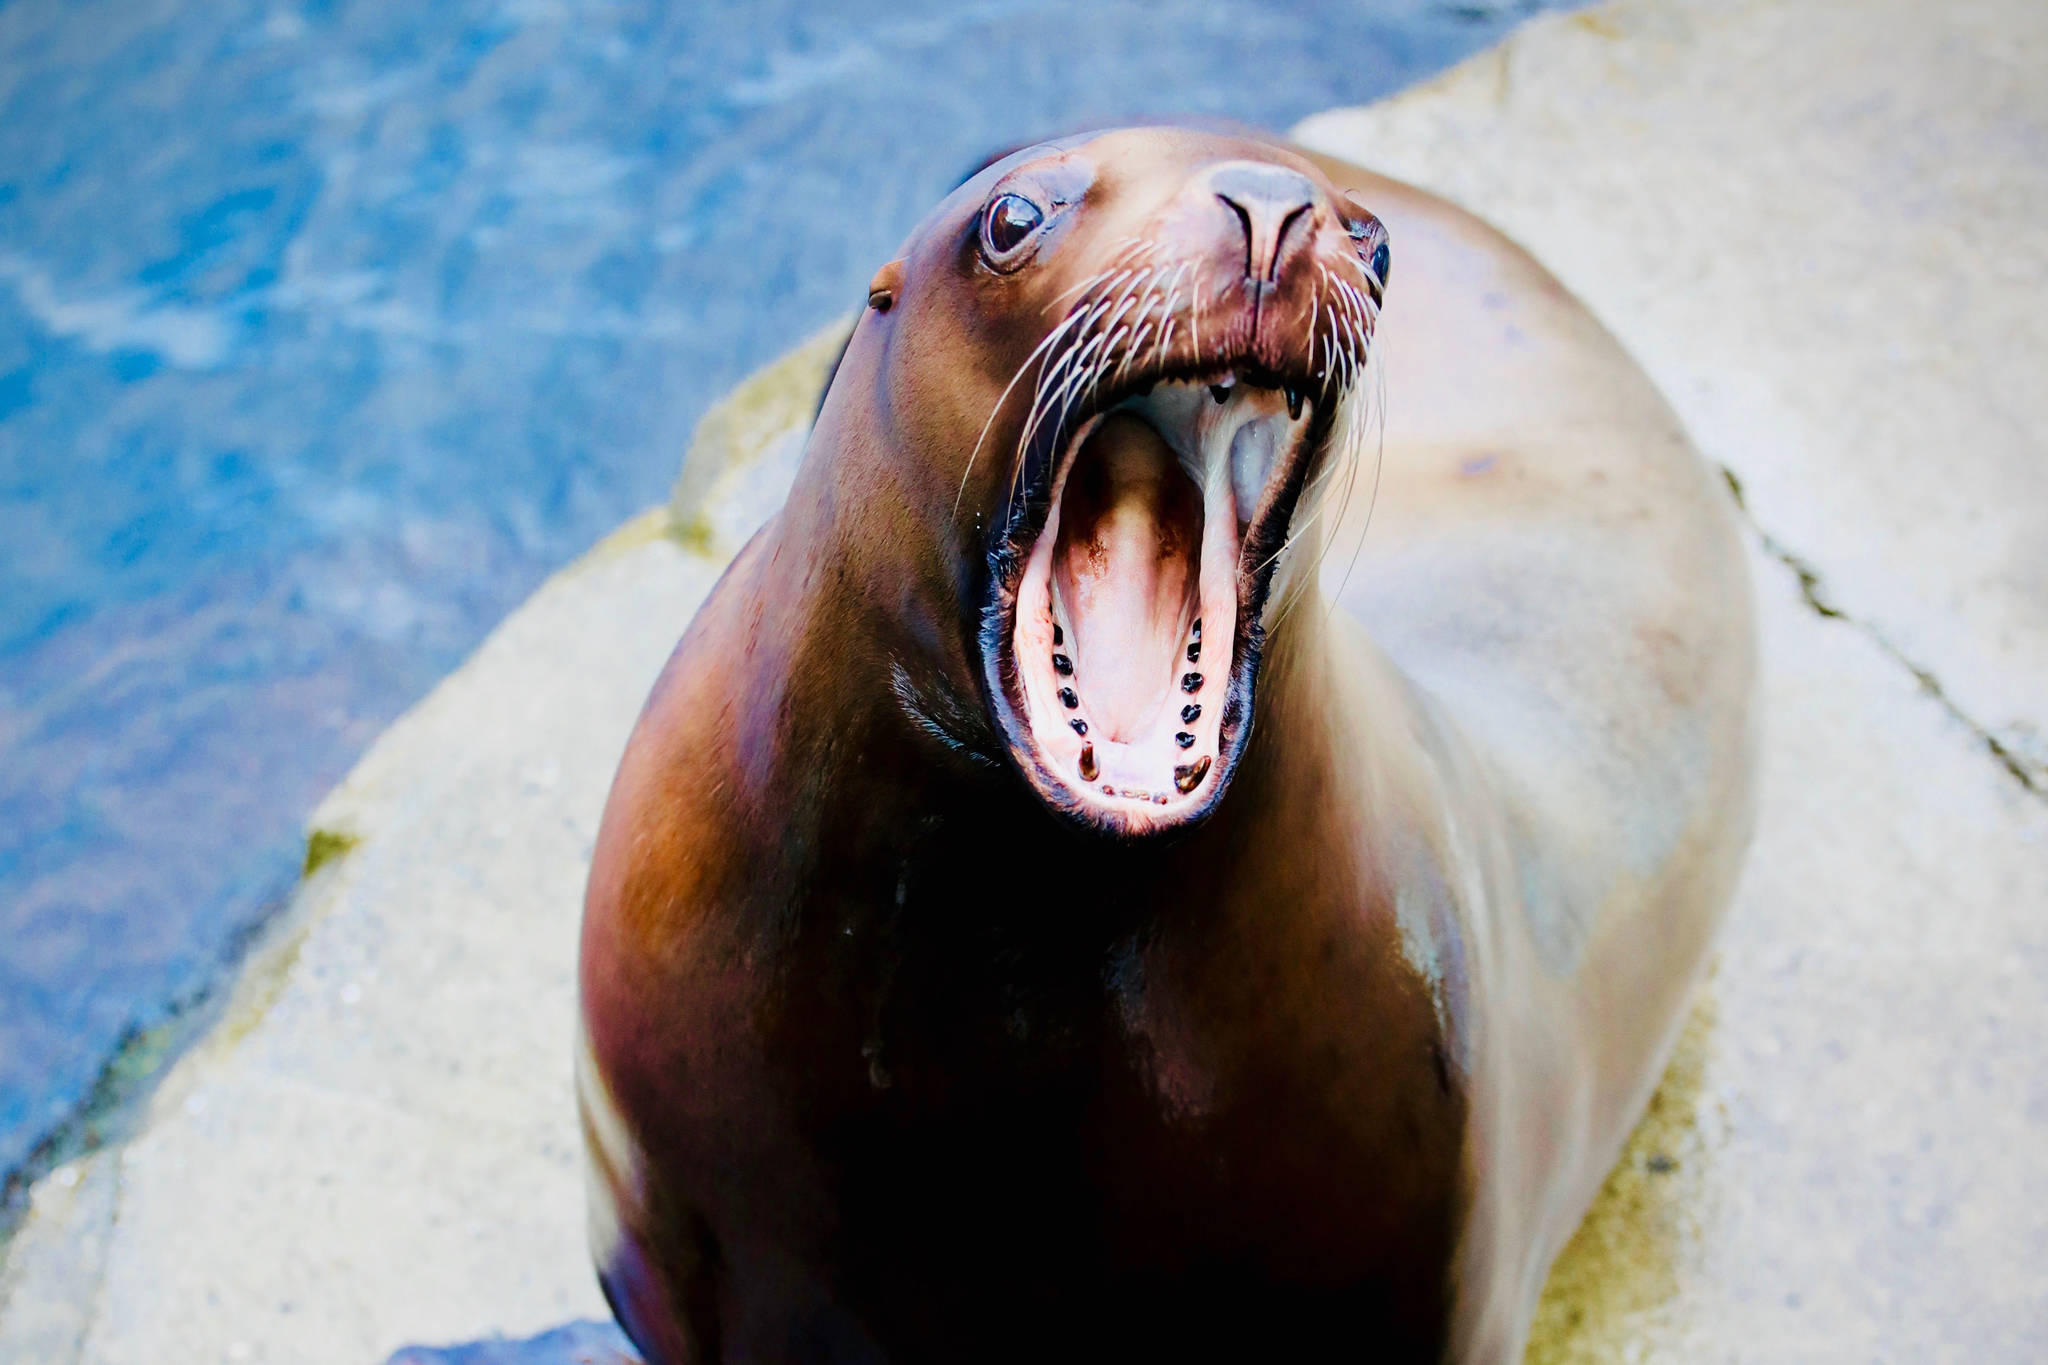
pixel 1057 905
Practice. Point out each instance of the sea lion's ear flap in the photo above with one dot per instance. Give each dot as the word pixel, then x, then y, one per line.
pixel 883 288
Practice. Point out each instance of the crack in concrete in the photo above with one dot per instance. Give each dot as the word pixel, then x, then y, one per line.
pixel 1814 591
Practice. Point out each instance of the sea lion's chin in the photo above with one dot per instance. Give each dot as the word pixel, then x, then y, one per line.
pixel 1123 633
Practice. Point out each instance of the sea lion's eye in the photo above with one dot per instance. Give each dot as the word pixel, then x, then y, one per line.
pixel 1010 220
pixel 1365 229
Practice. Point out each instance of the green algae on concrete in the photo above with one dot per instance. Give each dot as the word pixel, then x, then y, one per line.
pixel 323 846
pixel 738 428
pixel 652 525
pixel 1624 1262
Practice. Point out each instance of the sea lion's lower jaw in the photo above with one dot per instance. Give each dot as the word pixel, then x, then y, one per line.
pixel 1124 628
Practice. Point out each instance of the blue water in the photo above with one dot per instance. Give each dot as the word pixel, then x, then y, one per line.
pixel 327 330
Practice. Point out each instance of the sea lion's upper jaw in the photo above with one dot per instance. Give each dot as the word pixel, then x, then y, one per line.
pixel 1125 624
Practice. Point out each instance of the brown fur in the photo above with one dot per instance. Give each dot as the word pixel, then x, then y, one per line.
pixel 889 1061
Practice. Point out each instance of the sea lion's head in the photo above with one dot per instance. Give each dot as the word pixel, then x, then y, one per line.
pixel 1117 370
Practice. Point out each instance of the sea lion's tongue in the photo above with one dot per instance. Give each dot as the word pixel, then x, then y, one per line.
pixel 1125 568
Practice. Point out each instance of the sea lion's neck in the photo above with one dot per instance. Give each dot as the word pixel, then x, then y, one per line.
pixel 881 725
pixel 941 916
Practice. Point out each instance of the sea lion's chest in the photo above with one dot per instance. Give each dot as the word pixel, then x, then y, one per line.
pixel 986 1111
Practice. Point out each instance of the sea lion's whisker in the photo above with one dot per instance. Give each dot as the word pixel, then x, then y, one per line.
pixel 1368 310
pixel 1378 285
pixel 1172 295
pixel 1111 351
pixel 1124 305
pixel 1086 314
pixel 1315 316
pixel 1052 378
pixel 1128 299
pixel 1377 416
pixel 1064 393
pixel 1173 284
pixel 972 455
pixel 1347 298
pixel 1359 302
pixel 1135 283
pixel 1132 352
pixel 1355 412
pixel 1083 287
pixel 1355 326
pixel 1112 273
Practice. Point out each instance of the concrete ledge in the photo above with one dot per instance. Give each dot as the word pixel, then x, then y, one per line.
pixel 1817 225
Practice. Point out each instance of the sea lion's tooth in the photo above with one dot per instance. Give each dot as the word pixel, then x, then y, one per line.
pixel 1062 665
pixel 1191 713
pixel 1190 682
pixel 1068 698
pixel 1188 775
pixel 1088 769
pixel 1184 739
pixel 1195 651
pixel 1293 402
pixel 1219 393
pixel 1080 726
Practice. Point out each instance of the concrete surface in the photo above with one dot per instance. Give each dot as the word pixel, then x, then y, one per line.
pixel 1817 225
pixel 1822 227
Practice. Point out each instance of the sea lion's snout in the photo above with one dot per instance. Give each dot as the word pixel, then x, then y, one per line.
pixel 1195 379
pixel 1274 207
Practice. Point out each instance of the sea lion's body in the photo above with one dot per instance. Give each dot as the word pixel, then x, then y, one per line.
pixel 882 1063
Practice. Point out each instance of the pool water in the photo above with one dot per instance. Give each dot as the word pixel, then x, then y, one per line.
pixel 328 329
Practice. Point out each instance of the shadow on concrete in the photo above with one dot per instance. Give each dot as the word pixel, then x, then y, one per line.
pixel 579 1343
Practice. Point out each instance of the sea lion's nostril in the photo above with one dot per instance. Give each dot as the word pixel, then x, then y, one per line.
pixel 1271 203
pixel 1251 244
pixel 1296 227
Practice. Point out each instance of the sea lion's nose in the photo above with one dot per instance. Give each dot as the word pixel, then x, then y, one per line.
pixel 1274 207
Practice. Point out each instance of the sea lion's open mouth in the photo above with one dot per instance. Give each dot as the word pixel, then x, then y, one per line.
pixel 1128 639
